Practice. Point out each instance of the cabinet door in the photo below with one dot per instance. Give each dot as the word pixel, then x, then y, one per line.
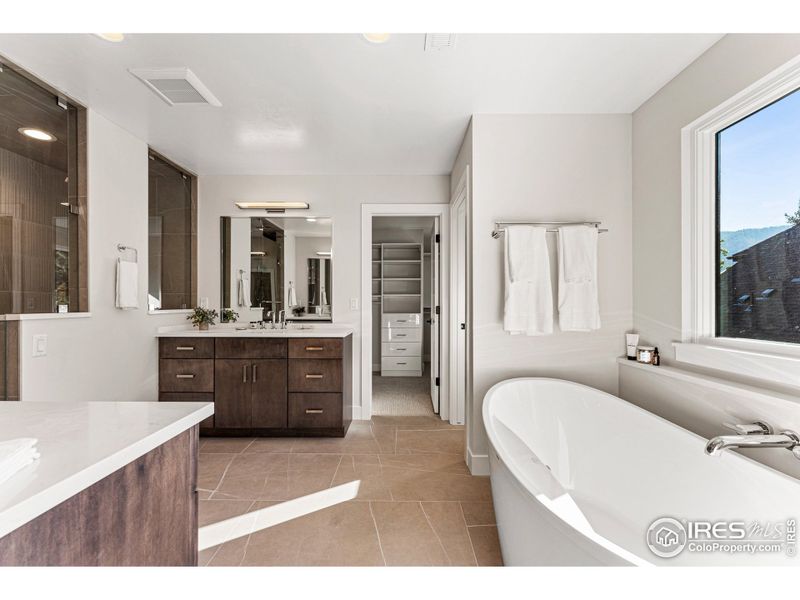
pixel 232 393
pixel 269 398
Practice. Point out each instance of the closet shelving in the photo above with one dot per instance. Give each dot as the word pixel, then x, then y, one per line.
pixel 398 283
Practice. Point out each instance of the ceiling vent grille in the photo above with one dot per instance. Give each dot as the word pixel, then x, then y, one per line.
pixel 439 41
pixel 176 86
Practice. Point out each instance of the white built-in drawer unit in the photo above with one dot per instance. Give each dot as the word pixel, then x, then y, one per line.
pixel 401 365
pixel 402 320
pixel 401 334
pixel 401 349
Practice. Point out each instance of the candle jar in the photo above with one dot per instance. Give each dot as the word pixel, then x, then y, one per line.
pixel 644 354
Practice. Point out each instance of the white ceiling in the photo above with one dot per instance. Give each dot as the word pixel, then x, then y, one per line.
pixel 333 103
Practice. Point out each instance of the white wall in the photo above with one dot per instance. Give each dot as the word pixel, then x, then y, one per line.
pixel 549 168
pixel 728 67
pixel 731 65
pixel 336 196
pixel 113 354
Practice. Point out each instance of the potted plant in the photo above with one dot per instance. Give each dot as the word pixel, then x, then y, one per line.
pixel 202 317
pixel 229 315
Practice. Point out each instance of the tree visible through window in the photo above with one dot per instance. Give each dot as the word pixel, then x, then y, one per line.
pixel 758 224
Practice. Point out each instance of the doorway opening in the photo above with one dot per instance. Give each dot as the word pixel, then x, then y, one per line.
pixel 406 334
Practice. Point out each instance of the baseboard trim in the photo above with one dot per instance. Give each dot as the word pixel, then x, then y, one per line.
pixel 478 464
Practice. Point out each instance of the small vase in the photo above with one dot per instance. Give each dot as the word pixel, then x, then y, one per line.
pixel 203 326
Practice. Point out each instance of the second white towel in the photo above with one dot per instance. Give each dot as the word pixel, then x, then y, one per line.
pixel 578 307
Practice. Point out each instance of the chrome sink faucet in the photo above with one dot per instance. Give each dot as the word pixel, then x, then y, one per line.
pixel 282 318
pixel 754 435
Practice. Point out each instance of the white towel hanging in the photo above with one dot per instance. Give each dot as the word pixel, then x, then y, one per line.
pixel 292 295
pixel 529 296
pixel 243 289
pixel 127 285
pixel 578 306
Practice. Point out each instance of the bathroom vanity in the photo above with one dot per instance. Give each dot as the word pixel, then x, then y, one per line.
pixel 263 382
pixel 115 484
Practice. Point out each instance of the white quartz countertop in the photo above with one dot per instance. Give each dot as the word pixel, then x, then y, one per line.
pixel 80 443
pixel 293 331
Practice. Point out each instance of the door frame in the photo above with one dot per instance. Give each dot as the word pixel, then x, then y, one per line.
pixel 368 211
pixel 458 406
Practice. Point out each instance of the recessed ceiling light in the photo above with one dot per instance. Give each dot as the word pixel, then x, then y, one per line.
pixel 311 219
pixel 64 203
pixel 277 205
pixel 377 38
pixel 37 134
pixel 111 37
pixel 255 253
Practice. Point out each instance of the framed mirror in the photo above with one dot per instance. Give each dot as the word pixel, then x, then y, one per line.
pixel 270 264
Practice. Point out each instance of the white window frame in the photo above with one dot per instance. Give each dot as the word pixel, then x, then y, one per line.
pixel 777 362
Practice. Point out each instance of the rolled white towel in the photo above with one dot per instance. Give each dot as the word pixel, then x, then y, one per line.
pixel 15 455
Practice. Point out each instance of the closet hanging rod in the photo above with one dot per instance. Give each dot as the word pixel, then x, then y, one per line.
pixel 500 230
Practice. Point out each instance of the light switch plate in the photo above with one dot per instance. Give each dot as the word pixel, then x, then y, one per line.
pixel 353 303
pixel 40 345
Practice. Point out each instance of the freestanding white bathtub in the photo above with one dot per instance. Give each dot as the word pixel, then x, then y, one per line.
pixel 578 477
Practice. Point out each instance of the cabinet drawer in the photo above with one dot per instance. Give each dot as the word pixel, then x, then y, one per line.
pixel 401 349
pixel 186 375
pixel 250 348
pixel 315 348
pixel 186 347
pixel 315 375
pixel 396 334
pixel 314 411
pixel 402 320
pixel 190 397
pixel 399 363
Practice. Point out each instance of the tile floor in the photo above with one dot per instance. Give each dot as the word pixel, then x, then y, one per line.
pixel 417 504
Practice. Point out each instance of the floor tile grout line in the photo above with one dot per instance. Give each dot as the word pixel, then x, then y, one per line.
pixel 336 470
pixel 469 537
pixel 221 478
pixel 481 524
pixel 438 538
pixel 378 534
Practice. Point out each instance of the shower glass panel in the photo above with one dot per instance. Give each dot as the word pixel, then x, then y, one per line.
pixel 42 199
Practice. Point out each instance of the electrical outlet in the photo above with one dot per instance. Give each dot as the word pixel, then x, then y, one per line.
pixel 40 345
pixel 353 303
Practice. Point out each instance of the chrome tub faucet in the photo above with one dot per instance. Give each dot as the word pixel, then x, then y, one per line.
pixel 754 435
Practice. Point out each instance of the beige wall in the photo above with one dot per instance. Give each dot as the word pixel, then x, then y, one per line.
pixel 548 168
pixel 728 67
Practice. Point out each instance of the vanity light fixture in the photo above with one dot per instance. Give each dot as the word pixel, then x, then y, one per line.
pixel 276 206
pixel 328 253
pixel 311 219
pixel 111 37
pixel 377 38
pixel 37 134
pixel 256 253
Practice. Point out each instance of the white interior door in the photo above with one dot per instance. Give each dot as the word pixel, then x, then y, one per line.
pixel 435 328
pixel 460 305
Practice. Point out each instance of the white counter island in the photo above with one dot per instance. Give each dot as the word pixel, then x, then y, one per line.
pixel 111 475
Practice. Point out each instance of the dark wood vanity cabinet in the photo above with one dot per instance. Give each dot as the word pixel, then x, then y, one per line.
pixel 262 386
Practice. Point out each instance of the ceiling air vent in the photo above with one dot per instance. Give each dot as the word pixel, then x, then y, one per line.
pixel 439 41
pixel 176 86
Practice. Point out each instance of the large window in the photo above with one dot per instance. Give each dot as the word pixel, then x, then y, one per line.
pixel 758 224
pixel 173 236
pixel 43 267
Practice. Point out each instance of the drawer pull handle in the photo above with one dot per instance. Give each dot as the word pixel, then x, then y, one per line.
pixel 314 411
pixel 185 348
pixel 399 335
pixel 401 349
pixel 402 320
pixel 314 348
pixel 244 374
pixel 313 376
pixel 185 376
pixel 255 373
pixel 401 363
